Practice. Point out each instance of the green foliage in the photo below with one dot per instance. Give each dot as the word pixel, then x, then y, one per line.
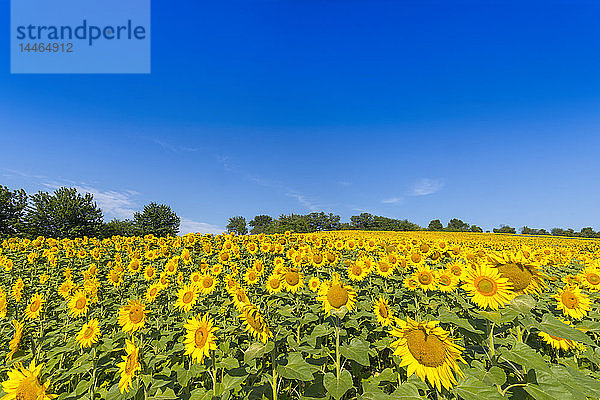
pixel 435 225
pixel 260 224
pixel 457 225
pixel 12 210
pixel 505 229
pixel 237 225
pixel 63 214
pixel 158 220
pixel 118 227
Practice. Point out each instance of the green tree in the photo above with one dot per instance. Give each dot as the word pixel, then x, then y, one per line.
pixel 118 227
pixel 505 229
pixel 475 228
pixel 588 232
pixel 237 225
pixel 63 214
pixel 157 219
pixel 260 224
pixel 528 231
pixel 364 221
pixel 457 225
pixel 435 225
pixel 12 211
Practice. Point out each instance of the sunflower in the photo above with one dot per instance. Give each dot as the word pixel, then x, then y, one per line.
pixel 410 283
pixel 314 283
pixel 134 266
pixel 3 304
pixel 425 277
pixel 65 288
pixel 78 304
pixel 457 269
pixel 381 308
pixel 572 302
pixel 187 297
pixel 240 298
pixel 255 323
pixel 152 292
pixel 129 366
pixel 207 284
pixel 560 343
pixel 273 284
pixel 24 383
pixel 251 277
pixel 488 288
pixel 114 278
pixel 334 294
pixel 590 278
pixel 384 268
pixel 427 350
pixel 34 308
pixel 292 279
pixel 446 281
pixel 149 272
pixel 523 274
pixel 13 345
pixel 357 271
pixel 132 316
pixel 17 290
pixel 89 333
pixel 200 337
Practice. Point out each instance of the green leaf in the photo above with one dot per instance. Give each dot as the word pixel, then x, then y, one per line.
pixel 448 317
pixel 553 326
pixel 576 381
pixel 407 391
pixel 255 350
pixel 522 303
pixel 235 380
pixel 474 389
pixel 82 387
pixel 201 394
pixel 168 394
pixel 549 388
pixel 357 350
pixel 526 356
pixel 337 388
pixel 293 366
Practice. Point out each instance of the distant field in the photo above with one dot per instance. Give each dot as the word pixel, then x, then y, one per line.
pixel 349 314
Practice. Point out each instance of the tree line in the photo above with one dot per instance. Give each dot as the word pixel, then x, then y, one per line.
pixel 66 213
pixel 320 221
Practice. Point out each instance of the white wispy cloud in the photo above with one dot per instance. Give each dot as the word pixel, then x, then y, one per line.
pixel 189 226
pixel 426 186
pixel 113 203
pixel 304 200
pixel 345 183
pixel 393 200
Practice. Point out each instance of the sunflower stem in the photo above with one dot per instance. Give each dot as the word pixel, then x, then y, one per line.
pixel 492 339
pixel 212 356
pixel 337 347
pixel 274 382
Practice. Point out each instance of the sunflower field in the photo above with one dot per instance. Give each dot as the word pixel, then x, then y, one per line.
pixel 342 315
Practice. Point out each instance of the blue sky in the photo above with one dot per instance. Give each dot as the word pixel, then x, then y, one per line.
pixel 417 110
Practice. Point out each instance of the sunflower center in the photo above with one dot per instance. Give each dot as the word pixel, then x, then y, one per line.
pixel 317 258
pixel 131 362
pixel 424 247
pixel 207 282
pixel 187 297
pixel 569 299
pixel 29 389
pixel 292 278
pixel 425 278
pixel 428 350
pixel 518 276
pixel 80 303
pixel 337 296
pixel 593 278
pixel 357 270
pixel 456 270
pixel 35 305
pixel 89 332
pixel 486 286
pixel 274 283
pixel 383 311
pixel 415 257
pixel 201 336
pixel 252 276
pixel 136 314
pixel 254 323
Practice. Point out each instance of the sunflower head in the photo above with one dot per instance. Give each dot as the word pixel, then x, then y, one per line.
pixel 427 350
pixel 334 295
pixel 24 383
pixel 132 316
pixel 200 337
